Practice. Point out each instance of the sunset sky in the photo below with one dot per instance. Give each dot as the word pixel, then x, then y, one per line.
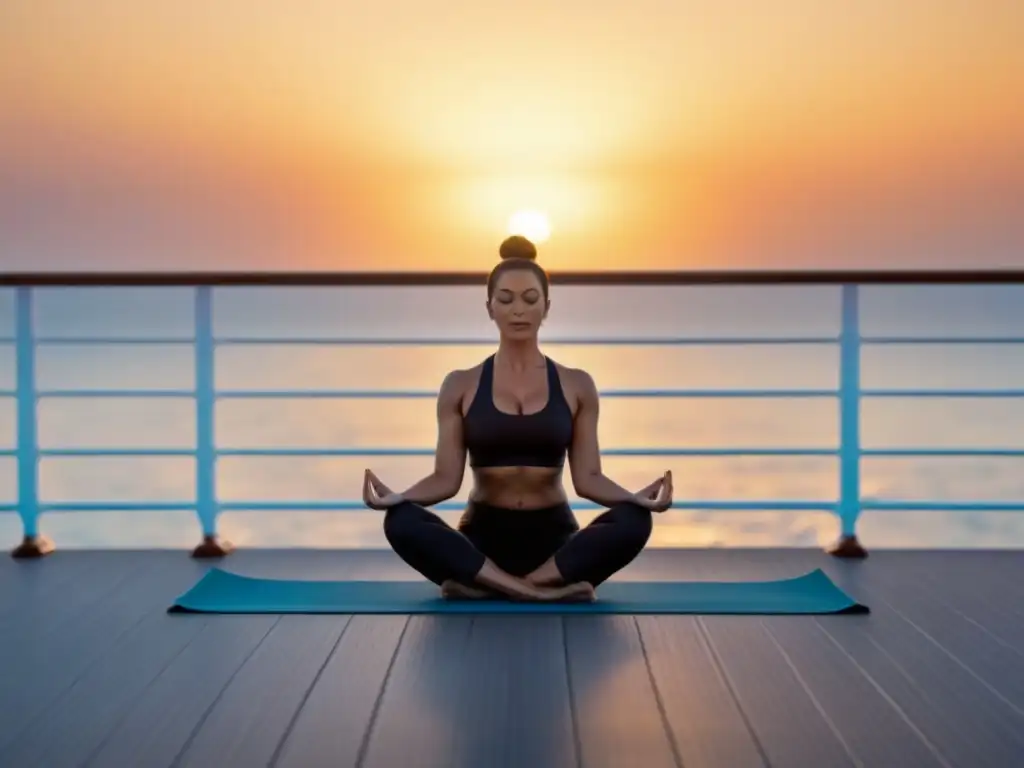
pixel 334 134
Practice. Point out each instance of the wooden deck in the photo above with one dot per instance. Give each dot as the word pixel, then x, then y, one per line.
pixel 95 673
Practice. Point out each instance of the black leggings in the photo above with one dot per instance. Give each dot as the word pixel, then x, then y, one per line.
pixel 517 540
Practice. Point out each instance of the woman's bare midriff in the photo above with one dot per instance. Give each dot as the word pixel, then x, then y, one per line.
pixel 518 487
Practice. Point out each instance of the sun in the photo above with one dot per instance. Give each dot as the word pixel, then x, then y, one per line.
pixel 531 224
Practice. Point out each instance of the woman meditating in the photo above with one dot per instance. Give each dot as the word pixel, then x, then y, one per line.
pixel 517 415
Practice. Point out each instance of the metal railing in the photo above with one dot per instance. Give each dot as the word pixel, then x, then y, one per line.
pixel 849 394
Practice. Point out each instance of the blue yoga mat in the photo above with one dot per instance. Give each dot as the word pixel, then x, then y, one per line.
pixel 223 592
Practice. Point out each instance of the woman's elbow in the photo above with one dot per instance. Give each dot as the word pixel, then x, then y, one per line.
pixel 449 485
pixel 583 484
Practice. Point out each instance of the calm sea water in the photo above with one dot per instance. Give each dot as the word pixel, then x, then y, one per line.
pixel 577 312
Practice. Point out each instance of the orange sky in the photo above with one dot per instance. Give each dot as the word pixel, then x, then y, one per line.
pixel 402 133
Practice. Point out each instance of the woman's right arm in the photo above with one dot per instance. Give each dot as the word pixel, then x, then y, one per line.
pixel 450 454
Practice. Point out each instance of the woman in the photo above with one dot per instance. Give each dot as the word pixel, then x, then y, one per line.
pixel 517 415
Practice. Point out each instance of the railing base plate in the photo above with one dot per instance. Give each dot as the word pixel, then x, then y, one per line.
pixel 848 547
pixel 33 547
pixel 212 547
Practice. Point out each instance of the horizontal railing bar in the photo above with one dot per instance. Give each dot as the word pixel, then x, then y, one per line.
pixel 73 453
pixel 8 393
pixel 115 393
pixel 942 506
pixel 437 278
pixel 448 506
pixel 8 506
pixel 875 340
pixel 648 341
pixel 370 394
pixel 118 506
pixel 620 452
pixel 452 506
pixel 639 341
pixel 939 393
pixel 873 453
pixel 76 341
pixel 610 393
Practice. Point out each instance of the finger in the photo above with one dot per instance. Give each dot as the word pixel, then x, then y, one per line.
pixel 662 490
pixel 380 486
pixel 374 496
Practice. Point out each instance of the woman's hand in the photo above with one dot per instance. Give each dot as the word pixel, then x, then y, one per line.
pixel 376 495
pixel 657 496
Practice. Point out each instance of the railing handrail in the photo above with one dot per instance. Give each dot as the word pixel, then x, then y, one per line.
pixel 362 279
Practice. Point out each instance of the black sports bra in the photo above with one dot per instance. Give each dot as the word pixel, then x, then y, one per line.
pixel 497 439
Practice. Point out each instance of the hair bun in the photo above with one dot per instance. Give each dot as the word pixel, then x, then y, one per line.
pixel 517 247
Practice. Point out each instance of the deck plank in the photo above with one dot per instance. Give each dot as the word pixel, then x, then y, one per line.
pixel 498 696
pixel 925 612
pixel 969 725
pixel 246 724
pixel 703 714
pixel 618 714
pixel 333 723
pixel 416 724
pixel 55 595
pixel 32 589
pixel 78 723
pixel 872 726
pixel 990 586
pixel 160 721
pixel 789 722
pixel 37 671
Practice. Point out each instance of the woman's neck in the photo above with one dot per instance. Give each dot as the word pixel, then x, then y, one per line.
pixel 518 355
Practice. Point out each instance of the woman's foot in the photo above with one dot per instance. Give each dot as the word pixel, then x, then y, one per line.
pixel 581 592
pixel 454 590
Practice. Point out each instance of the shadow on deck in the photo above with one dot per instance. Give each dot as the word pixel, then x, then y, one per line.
pixel 96 673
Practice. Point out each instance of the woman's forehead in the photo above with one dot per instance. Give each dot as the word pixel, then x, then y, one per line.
pixel 518 280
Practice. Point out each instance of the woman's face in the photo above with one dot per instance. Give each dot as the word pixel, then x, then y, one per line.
pixel 518 306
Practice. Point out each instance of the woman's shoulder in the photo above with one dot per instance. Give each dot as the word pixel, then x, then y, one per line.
pixel 460 376
pixel 579 379
pixel 460 381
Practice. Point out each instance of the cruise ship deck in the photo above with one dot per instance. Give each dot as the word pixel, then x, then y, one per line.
pixel 96 673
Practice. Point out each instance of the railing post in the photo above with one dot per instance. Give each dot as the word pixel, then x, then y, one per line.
pixel 206 457
pixel 847 545
pixel 33 544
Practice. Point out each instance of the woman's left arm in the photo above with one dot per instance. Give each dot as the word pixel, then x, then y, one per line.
pixel 588 479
